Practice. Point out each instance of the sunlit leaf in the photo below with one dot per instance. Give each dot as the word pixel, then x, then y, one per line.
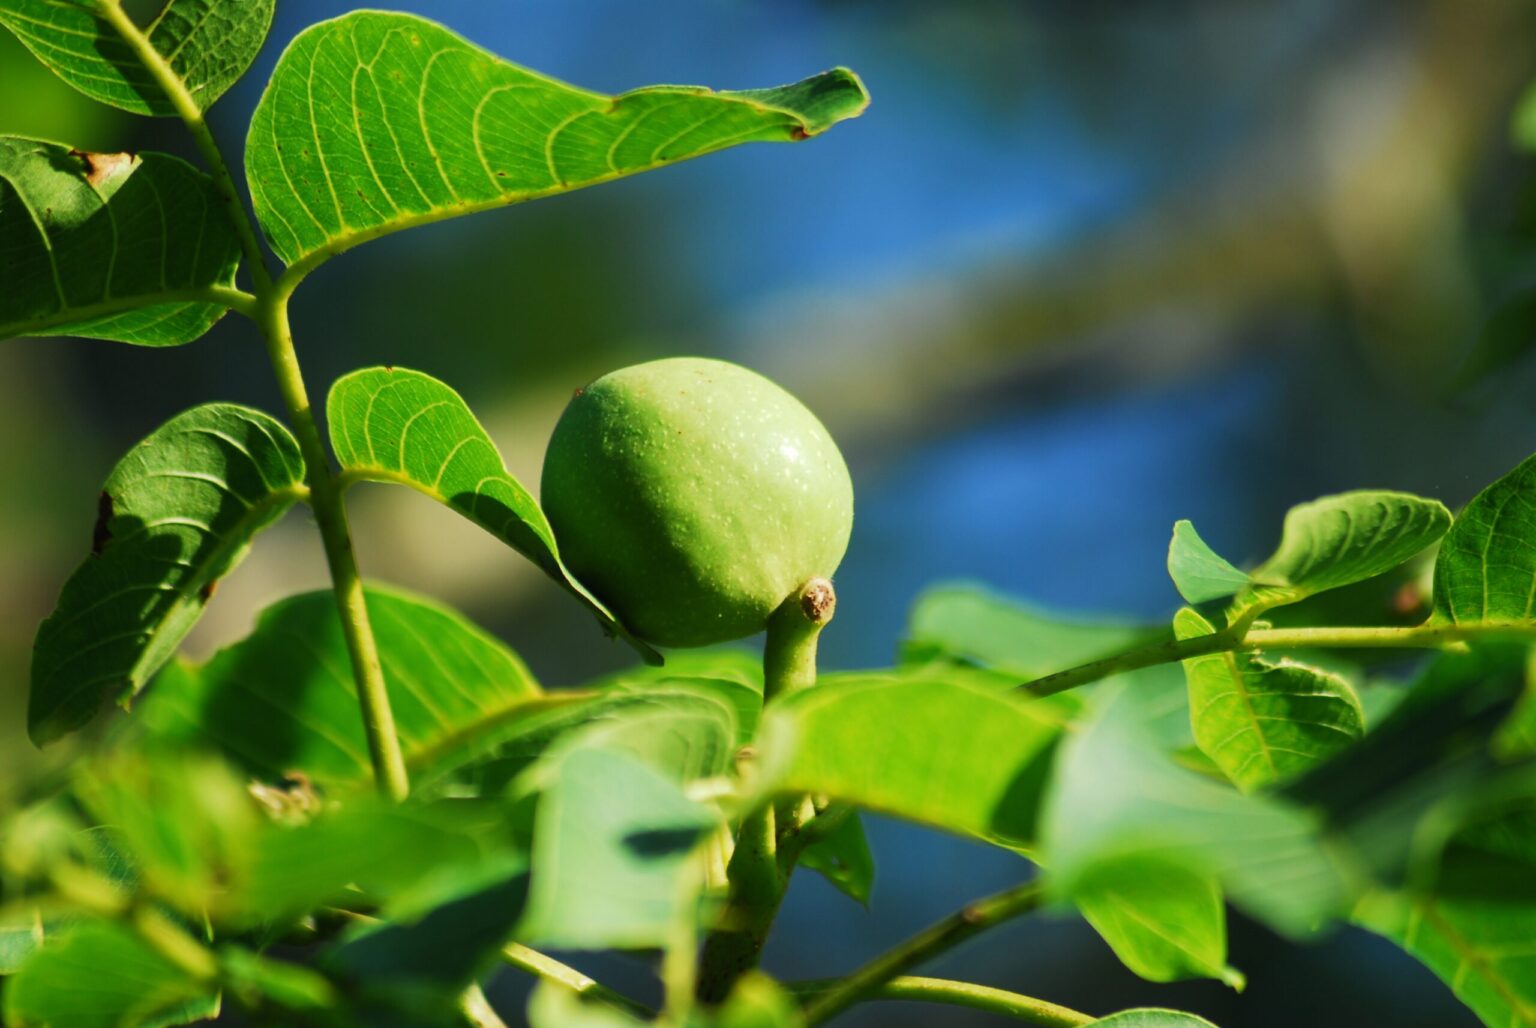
pixel 1339 540
pixel 185 821
pixel 1164 921
pixel 208 44
pixel 967 623
pixel 1486 570
pixel 1113 796
pixel 1152 1017
pixel 555 1006
pixel 176 515
pixel 623 709
pixel 611 860
pixel 951 755
pixel 1199 572
pixel 283 698
pixel 395 425
pixel 377 121
pixel 111 246
pixel 1484 950
pixel 128 983
pixel 1261 722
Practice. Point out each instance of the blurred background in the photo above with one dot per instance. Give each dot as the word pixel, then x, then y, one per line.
pixel 1084 268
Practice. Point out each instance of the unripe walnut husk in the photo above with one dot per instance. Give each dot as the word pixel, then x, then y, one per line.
pixel 693 496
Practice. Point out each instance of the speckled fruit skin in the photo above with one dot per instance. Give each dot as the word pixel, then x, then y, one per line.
pixel 693 496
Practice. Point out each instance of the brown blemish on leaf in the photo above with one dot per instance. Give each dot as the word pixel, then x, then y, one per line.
pixel 101 166
pixel 798 133
pixel 102 534
pixel 209 588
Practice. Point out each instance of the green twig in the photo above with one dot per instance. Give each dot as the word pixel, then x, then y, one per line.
pixel 1427 636
pixel 271 315
pixel 543 966
pixel 758 877
pixel 969 921
pixel 961 994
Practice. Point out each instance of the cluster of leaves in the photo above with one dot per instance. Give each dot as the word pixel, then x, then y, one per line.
pixel 225 842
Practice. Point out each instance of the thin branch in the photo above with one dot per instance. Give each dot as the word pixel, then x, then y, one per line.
pixel 971 920
pixel 1427 636
pixel 1033 1011
pixel 541 965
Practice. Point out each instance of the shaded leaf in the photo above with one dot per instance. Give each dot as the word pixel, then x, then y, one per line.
pixel 1484 950
pixel 207 43
pixel 376 122
pixel 283 698
pixel 1261 722
pixel 396 425
pixel 613 841
pixel 965 759
pixel 1164 921
pixel 424 966
pixel 1199 572
pixel 1113 796
pixel 129 983
pixel 111 246
pixel 176 515
pixel 1391 798
pixel 843 858
pixel 1486 571
pixel 967 623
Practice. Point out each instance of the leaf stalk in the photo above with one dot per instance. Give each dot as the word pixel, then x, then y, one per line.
pixel 1027 1009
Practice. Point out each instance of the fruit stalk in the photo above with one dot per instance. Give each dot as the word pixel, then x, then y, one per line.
pixel 758 877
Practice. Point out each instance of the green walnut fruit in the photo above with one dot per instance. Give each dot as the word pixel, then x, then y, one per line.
pixel 693 497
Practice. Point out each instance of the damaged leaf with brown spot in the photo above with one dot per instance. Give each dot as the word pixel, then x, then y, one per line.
pixel 133 248
pixel 177 513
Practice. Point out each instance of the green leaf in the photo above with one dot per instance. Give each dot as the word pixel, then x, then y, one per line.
pixel 425 966
pixel 554 1006
pixel 376 122
pixel 966 623
pixel 207 43
pixel 1482 949
pixel 20 938
pixel 129 983
pixel 134 248
pixel 395 425
pixel 843 858
pixel 176 515
pixel 757 1001
pixel 1262 722
pixel 626 709
pixel 948 754
pixel 1113 796
pixel 1339 540
pixel 1199 572
pixel 1390 799
pixel 1164 921
pixel 184 822
pixel 1486 571
pixel 612 857
pixel 1152 1017
pixel 283 698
